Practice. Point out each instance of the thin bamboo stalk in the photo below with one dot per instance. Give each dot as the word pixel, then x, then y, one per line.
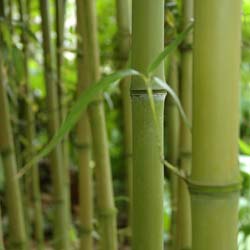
pixel 32 179
pixel 61 229
pixel 172 121
pixel 183 221
pixel 17 232
pixel 148 179
pixel 215 178
pixel 60 20
pixel 124 40
pixel 105 198
pixel 83 144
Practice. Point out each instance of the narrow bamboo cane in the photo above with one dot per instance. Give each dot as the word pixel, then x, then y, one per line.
pixel 105 197
pixel 124 39
pixel 2 247
pixel 148 180
pixel 215 181
pixel 18 240
pixel 61 230
pixel 33 179
pixel 83 143
pixel 60 16
pixel 183 220
pixel 172 121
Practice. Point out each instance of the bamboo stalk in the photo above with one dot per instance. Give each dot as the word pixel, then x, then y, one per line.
pixel 148 179
pixel 124 40
pixel 83 143
pixel 183 220
pixel 17 232
pixel 215 178
pixel 60 16
pixel 105 198
pixel 32 179
pixel 172 121
pixel 61 229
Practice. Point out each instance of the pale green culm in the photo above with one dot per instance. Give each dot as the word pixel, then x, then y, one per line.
pixel 214 182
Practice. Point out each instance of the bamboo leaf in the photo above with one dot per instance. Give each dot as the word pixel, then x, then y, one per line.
pixel 175 98
pixel 171 47
pixel 244 147
pixel 76 111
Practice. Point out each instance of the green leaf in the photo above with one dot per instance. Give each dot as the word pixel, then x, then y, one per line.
pixel 244 147
pixel 165 86
pixel 76 111
pixel 171 47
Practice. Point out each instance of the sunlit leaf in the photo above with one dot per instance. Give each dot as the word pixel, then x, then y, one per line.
pixel 244 147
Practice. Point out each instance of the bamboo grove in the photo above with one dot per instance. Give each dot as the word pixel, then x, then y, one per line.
pixel 124 124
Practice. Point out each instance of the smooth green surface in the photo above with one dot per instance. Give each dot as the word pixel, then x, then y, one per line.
pixel 148 180
pixel 147 223
pixel 216 91
pixel 217 42
pixel 147 38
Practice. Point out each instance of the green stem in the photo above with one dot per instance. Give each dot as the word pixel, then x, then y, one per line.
pixel 105 197
pixel 172 121
pixel 148 180
pixel 32 179
pixel 83 144
pixel 18 240
pixel 183 230
pixel 124 37
pixel 215 173
pixel 61 228
pixel 60 20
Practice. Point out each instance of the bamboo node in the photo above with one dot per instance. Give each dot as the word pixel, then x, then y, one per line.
pixel 107 213
pixel 215 191
pixel 81 145
pixel 185 154
pixel 186 47
pixel 144 92
pixel 85 230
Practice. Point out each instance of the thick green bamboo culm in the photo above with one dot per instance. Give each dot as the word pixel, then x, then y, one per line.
pixel 183 217
pixel 148 178
pixel 215 178
pixel 123 17
pixel 33 178
pixel 60 16
pixel 83 143
pixel 17 240
pixel 105 198
pixel 61 228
